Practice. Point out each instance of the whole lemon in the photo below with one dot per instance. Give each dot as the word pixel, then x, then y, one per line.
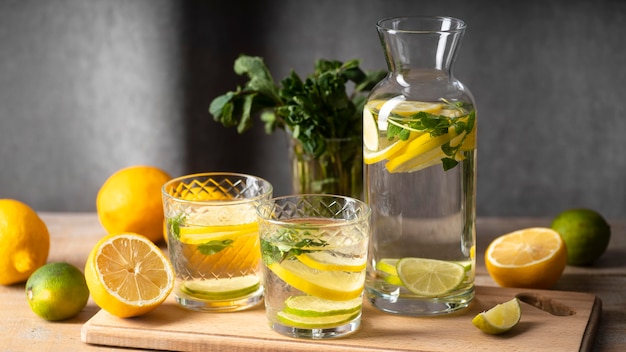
pixel 24 241
pixel 130 201
pixel 57 291
pixel 585 232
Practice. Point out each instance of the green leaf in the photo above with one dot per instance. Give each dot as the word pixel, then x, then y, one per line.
pixel 174 224
pixel 449 163
pixel 260 78
pixel 213 247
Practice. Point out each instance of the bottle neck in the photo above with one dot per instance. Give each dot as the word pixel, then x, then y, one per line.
pixel 420 46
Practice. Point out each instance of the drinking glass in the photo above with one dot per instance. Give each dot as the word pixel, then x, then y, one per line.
pixel 212 239
pixel 314 251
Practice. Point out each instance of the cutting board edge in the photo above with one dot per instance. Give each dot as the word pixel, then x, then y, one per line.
pixel 593 323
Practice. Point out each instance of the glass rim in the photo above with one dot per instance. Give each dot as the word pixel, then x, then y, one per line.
pixel 421 24
pixel 269 203
pixel 269 188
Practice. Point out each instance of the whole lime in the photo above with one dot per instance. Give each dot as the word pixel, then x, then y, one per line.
pixel 57 291
pixel 586 234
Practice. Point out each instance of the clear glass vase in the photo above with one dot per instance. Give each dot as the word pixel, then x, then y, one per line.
pixel 339 170
pixel 419 139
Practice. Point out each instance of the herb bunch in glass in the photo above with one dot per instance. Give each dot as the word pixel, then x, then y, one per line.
pixel 322 114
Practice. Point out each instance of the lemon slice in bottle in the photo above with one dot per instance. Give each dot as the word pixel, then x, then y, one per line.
pixel 370 130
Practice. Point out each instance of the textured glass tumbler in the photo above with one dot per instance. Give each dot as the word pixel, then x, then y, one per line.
pixel 314 251
pixel 212 239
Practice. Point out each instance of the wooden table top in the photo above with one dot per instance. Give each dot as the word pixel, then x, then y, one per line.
pixel 74 234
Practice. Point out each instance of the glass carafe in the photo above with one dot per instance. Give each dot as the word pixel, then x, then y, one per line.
pixel 420 172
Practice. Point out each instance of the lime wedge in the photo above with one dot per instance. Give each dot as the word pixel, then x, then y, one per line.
pixel 329 261
pixel 310 306
pixel 430 277
pixel 220 289
pixel 316 322
pixel 499 319
pixel 332 285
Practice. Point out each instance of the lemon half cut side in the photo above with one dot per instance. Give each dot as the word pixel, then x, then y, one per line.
pixel 128 275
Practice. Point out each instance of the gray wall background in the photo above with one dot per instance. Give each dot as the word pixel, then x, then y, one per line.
pixel 88 87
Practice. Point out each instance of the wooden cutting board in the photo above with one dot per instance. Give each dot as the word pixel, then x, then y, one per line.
pixel 170 327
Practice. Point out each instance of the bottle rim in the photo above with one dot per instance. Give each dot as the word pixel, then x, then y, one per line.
pixel 421 24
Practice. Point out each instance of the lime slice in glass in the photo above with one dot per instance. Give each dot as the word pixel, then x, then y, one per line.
pixel 310 306
pixel 316 322
pixel 221 289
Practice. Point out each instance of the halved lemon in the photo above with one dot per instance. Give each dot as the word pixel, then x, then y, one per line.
pixel 499 319
pixel 128 275
pixel 530 258
pixel 430 277
pixel 332 285
pixel 328 261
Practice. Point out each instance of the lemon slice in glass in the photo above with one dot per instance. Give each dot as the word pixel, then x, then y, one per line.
pixel 332 285
pixel 328 261
pixel 204 234
pixel 499 319
pixel 430 277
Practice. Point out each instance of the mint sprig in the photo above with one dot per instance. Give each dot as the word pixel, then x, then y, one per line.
pixel 290 243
